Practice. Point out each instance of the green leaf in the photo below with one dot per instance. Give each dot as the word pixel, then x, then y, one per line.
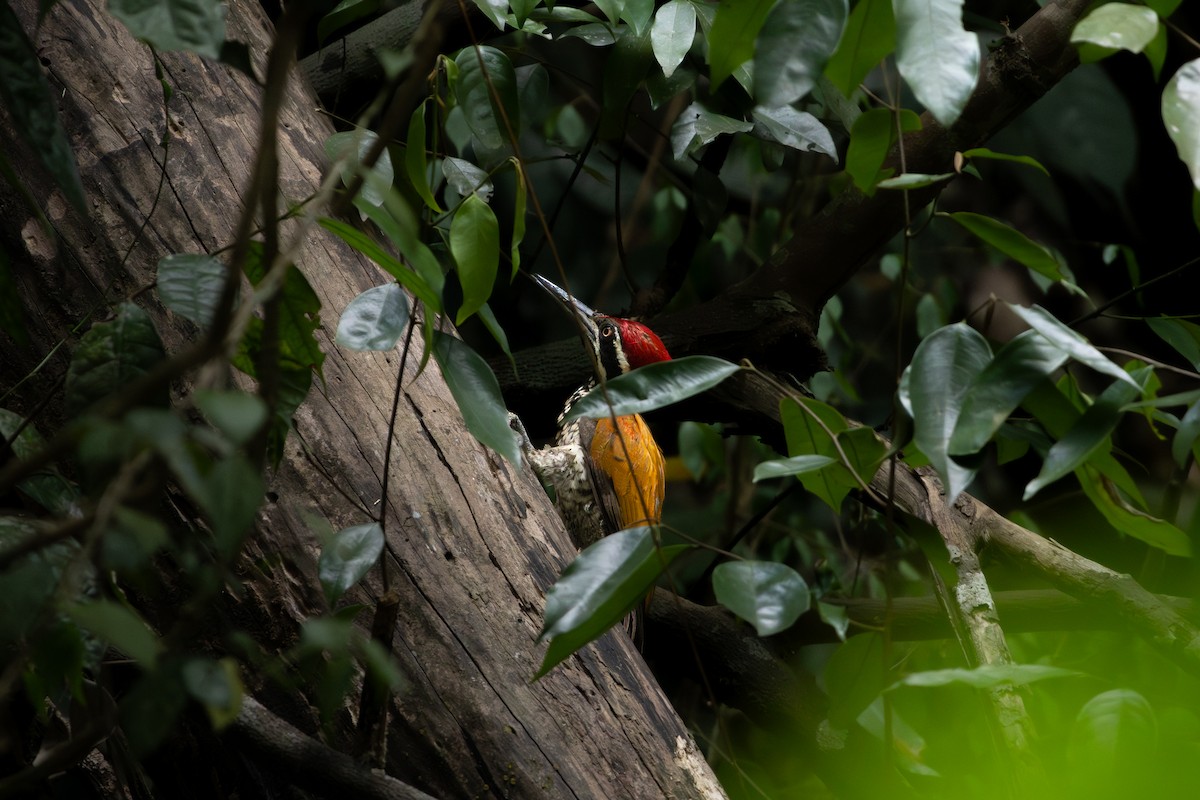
pixel 914 180
pixel 624 71
pixel 652 386
pixel 991 155
pixel 1113 745
pixel 349 148
pixel 120 627
pixel 1011 242
pixel 836 617
pixel 477 393
pixel 46 487
pixel 871 139
pixel 27 96
pixel 1182 335
pixel 597 34
pixel 734 31
pixel 475 243
pixel 218 687
pixel 1117 26
pixel 637 14
pixel 793 128
pixel 236 490
pixel 944 368
pixel 31 583
pixel 370 248
pixel 697 126
pixel 299 317
pixel 1019 367
pixel 672 33
pixel 238 415
pixel 195 25
pixel 795 42
pixel 518 228
pixel 110 356
pixel 806 436
pixel 347 557
pixel 786 467
pixel 343 14
pixel 416 164
pixel 986 676
pixel 599 588
pixel 937 58
pixel 1181 115
pixel 1185 437
pixel 375 320
pixel 854 677
pixel 1128 518
pixel 466 178
pixel 1079 349
pixel 768 595
pixel 611 9
pixel 481 70
pixel 190 284
pixel 869 37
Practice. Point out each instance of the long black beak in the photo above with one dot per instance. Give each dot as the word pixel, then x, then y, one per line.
pixel 582 312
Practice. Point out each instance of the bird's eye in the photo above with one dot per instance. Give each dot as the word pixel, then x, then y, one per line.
pixel 607 330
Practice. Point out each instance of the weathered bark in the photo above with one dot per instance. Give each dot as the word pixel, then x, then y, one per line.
pixel 473 542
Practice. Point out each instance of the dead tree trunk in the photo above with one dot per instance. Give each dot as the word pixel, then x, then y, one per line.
pixel 473 544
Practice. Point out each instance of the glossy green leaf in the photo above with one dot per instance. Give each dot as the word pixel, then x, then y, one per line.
pixel 190 284
pixel 1185 437
pixel 466 178
pixel 1131 518
pixel 347 557
pixel 1079 348
pixel 637 15
pixel 1011 242
pixel 27 96
pixel 344 13
pixel 937 58
pixel 237 414
pixel 299 317
pixel 768 595
pixel 611 9
pixel 483 70
pixel 218 687
pixel 653 386
pixel 944 368
pixel 518 228
pixel 914 180
pixel 597 34
pixel 599 588
pixel 1181 334
pixel 120 627
pixel 986 676
pixel 110 356
pixel 672 33
pixel 393 266
pixel 871 139
pixel 734 31
pixel 1117 26
pixel 195 25
pixel 797 39
pixel 477 393
pixel 786 467
pixel 348 149
pixel 835 616
pixel 375 320
pixel 991 155
pixel 793 128
pixel 869 37
pixel 488 318
pixel 416 162
pixel 475 243
pixel 1181 115
pixel 1155 52
pixel 1089 434
pixel 697 126
pixel 1020 366
pixel 816 428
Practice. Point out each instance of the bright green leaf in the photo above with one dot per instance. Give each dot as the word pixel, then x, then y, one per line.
pixel 1128 518
pixel 914 180
pixel 815 428
pixel 768 595
pixel 637 14
pixel 190 284
pixel 991 155
pixel 1079 348
pixel 1117 26
pixel 1182 335
pixel 375 320
pixel 653 386
pixel 371 249
pixel 466 178
pixel 120 627
pixel 835 616
pixel 1011 242
pixel 599 588
pixel 795 42
pixel 347 557
pixel 477 393
pixel 937 58
pixel 110 356
pixel 1181 115
pixel 416 163
pixel 493 10
pixel 986 676
pixel 871 139
pixel 869 37
pixel 611 9
pixel 697 126
pixel 672 33
pixel 27 96
pixel 734 31
pixel 1185 437
pixel 238 415
pixel 518 228
pixel 790 127
pixel 475 243
pixel 299 316
pixel 786 467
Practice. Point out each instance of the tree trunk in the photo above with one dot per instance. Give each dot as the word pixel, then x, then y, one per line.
pixel 473 543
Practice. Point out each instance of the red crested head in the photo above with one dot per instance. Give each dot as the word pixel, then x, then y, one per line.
pixel 640 345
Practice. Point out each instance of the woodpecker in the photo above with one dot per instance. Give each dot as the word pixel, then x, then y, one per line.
pixel 607 474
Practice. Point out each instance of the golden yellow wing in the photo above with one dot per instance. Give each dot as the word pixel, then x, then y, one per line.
pixel 635 463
